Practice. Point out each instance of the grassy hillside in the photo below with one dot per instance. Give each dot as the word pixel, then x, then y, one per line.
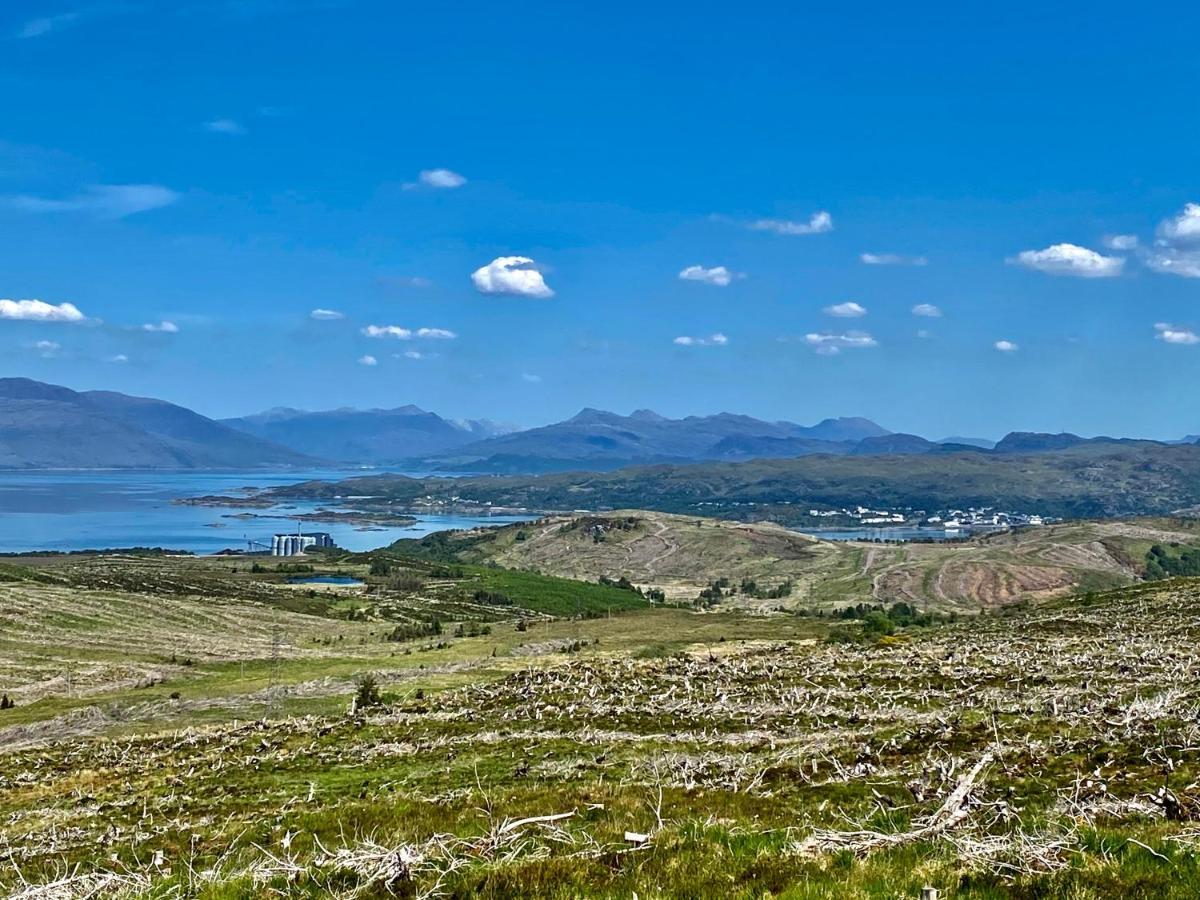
pixel 667 753
pixel 683 555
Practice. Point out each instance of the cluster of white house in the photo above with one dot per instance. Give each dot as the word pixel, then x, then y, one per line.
pixel 972 519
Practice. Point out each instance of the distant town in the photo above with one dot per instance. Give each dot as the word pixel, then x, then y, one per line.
pixel 973 519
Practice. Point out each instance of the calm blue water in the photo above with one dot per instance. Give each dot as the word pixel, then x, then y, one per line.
pixel 884 534
pixel 344 580
pixel 94 510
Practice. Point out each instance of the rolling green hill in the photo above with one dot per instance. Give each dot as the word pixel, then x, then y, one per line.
pixel 684 555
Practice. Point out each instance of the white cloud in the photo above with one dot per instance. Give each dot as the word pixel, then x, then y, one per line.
pixel 818 223
pixel 417 354
pixel 39 311
pixel 847 310
pixel 400 334
pixel 511 275
pixel 827 344
pixel 928 310
pixel 47 349
pixel 46 24
pixel 717 275
pixel 368 360
pixel 393 331
pixel 407 334
pixel 1070 259
pixel 923 334
pixel 1121 241
pixel 892 259
pixel 110 201
pixel 224 126
pixel 713 340
pixel 1177 249
pixel 119 358
pixel 441 178
pixel 164 326
pixel 532 379
pixel 1183 228
pixel 1006 346
pixel 325 315
pixel 1173 335
pixel 1173 261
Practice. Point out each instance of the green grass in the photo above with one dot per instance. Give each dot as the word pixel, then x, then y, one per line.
pixel 552 596
pixel 729 737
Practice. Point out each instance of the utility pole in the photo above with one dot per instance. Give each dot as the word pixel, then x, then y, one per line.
pixel 273 678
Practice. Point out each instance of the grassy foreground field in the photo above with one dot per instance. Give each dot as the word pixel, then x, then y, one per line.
pixel 184 728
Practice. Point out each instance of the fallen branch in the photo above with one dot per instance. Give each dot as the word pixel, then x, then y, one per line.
pixel 952 812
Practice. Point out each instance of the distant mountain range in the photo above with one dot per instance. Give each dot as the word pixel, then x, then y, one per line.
pixel 598 440
pixel 44 426
pixel 369 436
pixel 47 426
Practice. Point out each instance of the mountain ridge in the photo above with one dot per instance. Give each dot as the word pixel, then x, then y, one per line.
pixel 50 426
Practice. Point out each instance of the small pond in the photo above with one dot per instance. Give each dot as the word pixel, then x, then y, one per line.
pixel 344 580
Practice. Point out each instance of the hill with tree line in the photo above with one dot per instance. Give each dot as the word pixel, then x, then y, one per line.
pixel 1089 480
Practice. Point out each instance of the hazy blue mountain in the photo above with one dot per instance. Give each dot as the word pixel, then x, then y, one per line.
pixel 49 426
pixel 893 444
pixel 851 428
pixel 745 446
pixel 1037 442
pixel 958 440
pixel 597 439
pixel 373 436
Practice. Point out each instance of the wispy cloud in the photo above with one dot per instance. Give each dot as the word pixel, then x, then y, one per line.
pixel 119 358
pixel 847 310
pixel 1006 346
pixel 108 201
pixel 1070 259
pixel 441 178
pixel 403 282
pixel 46 349
pixel 408 334
pixel 717 275
pixel 928 310
pixel 1167 260
pixel 368 360
pixel 828 344
pixel 1120 241
pixel 818 223
pixel 47 24
pixel 40 311
pixel 1170 334
pixel 516 275
pixel 713 340
pixel 531 378
pixel 165 327
pixel 325 315
pixel 892 259
pixel 436 179
pixel 225 126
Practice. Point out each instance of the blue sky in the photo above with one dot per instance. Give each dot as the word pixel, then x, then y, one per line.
pixel 194 179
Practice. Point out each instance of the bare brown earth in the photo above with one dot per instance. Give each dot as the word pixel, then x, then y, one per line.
pixel 682 554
